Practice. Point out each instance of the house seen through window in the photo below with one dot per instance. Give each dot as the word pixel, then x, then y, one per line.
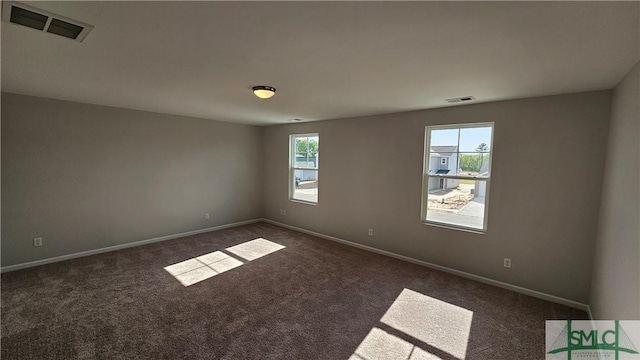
pixel 457 173
pixel 303 170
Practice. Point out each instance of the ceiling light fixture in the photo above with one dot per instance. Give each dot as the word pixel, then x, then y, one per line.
pixel 264 92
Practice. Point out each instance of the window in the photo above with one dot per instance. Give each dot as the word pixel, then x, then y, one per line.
pixel 457 174
pixel 303 169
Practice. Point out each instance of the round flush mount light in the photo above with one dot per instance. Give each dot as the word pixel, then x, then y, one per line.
pixel 264 92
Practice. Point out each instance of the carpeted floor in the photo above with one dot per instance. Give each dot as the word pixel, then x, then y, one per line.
pixel 288 296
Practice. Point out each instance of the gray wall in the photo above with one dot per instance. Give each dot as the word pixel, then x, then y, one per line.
pixel 85 177
pixel 545 193
pixel 615 291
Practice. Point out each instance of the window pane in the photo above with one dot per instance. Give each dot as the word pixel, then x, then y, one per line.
pixel 305 161
pixel 306 185
pixel 306 152
pixel 476 139
pixel 314 150
pixel 474 164
pixel 444 137
pixel 301 144
pixel 456 202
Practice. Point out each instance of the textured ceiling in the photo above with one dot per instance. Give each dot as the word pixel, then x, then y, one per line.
pixel 327 59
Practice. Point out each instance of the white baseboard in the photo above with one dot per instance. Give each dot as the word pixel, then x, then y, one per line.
pixel 467 275
pixel 500 284
pixel 121 246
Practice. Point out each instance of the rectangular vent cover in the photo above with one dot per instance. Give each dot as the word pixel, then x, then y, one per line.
pixel 460 99
pixel 28 18
pixel 26 15
pixel 63 28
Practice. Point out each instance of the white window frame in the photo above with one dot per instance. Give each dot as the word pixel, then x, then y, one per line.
pixel 426 176
pixel 293 167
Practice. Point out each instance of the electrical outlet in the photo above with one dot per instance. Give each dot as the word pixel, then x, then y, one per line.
pixel 370 233
pixel 206 216
pixel 283 212
pixel 507 263
pixel 37 241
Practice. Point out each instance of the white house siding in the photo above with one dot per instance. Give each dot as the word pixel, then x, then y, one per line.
pixel 481 188
pixel 452 183
pixel 306 175
pixel 435 164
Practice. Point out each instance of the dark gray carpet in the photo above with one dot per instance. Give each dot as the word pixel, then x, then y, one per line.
pixel 312 299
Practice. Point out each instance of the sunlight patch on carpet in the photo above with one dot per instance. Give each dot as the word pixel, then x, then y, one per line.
pixel 255 249
pixel 203 267
pixel 440 324
pixel 426 326
pixel 380 345
pixel 194 270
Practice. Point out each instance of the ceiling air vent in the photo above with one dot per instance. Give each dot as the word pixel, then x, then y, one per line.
pixel 26 15
pixel 28 18
pixel 460 99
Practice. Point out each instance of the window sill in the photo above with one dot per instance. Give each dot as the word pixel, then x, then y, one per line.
pixel 303 202
pixel 454 227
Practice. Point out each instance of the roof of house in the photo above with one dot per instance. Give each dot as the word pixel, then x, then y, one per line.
pixel 443 150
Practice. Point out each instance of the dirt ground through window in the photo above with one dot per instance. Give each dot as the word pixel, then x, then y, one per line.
pixel 450 199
